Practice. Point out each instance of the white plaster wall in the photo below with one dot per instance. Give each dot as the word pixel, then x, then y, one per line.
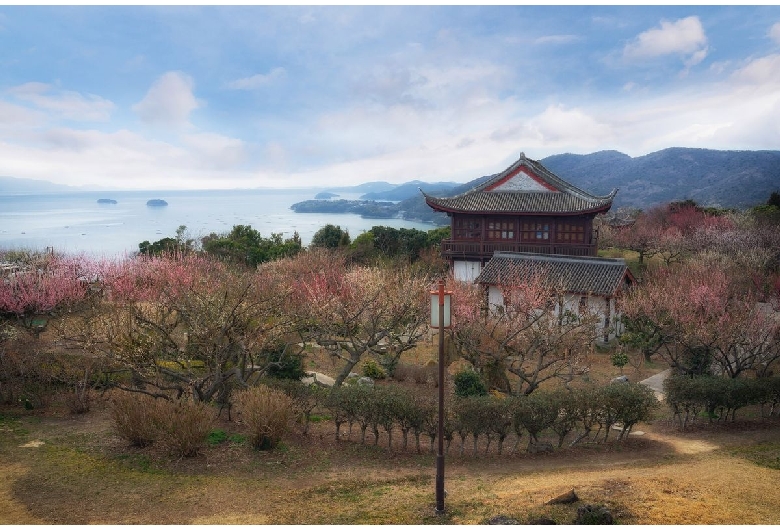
pixel 466 271
pixel 571 302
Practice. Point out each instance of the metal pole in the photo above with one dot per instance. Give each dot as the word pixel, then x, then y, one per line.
pixel 440 430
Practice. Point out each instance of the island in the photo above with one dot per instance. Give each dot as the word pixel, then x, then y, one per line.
pixel 324 195
pixel 156 202
pixel 106 201
pixel 366 209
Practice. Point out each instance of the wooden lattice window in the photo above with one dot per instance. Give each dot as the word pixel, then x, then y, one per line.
pixel 535 231
pixel 501 228
pixel 570 232
pixel 467 228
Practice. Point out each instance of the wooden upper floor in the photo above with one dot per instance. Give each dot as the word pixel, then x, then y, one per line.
pixel 478 236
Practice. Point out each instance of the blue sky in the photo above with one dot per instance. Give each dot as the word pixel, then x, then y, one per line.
pixel 202 97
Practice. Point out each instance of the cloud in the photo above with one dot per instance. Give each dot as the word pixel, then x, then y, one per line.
pixel 388 84
pixel 763 71
pixel 215 150
pixel 557 39
pixel 559 126
pixel 169 101
pixel 125 159
pixel 258 80
pixel 774 32
pixel 65 104
pixel 684 37
pixel 14 116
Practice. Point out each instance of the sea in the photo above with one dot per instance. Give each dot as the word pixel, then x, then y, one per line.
pixel 75 223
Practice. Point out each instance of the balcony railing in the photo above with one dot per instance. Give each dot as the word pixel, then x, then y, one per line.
pixel 484 249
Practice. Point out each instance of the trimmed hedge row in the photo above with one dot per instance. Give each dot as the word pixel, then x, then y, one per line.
pixel 719 397
pixel 577 415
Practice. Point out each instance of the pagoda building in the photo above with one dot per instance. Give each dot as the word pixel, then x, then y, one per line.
pixel 525 208
pixel 526 221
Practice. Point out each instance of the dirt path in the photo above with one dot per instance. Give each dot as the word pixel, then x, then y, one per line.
pixel 656 383
pixel 12 511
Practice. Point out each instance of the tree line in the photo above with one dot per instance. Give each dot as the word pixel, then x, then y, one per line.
pixel 708 304
pixel 245 245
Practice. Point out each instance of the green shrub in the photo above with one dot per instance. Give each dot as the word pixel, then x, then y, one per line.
pixel 719 397
pixel 285 366
pixel 469 383
pixel 267 413
pixel 534 413
pixel 628 405
pixel 619 359
pixel 373 370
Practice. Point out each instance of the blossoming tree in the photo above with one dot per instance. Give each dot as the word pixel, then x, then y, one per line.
pixel 532 335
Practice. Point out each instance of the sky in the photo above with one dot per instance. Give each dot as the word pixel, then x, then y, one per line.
pixel 201 97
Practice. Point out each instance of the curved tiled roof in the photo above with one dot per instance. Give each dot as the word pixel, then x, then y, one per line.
pixel 586 275
pixel 518 202
pixel 553 195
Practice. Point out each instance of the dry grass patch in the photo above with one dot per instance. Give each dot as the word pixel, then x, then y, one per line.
pixel 81 475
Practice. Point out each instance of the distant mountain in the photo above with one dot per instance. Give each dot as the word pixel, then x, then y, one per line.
pixel 13 186
pixel 409 189
pixel 729 179
pixel 366 187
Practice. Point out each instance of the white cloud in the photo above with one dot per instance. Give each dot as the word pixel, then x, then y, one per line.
pixel 696 57
pixel 215 150
pixel 64 103
pixel 123 159
pixel 557 39
pixel 258 80
pixel 169 101
pixel 275 155
pixel 14 116
pixel 559 126
pixel 684 37
pixel 774 32
pixel 761 71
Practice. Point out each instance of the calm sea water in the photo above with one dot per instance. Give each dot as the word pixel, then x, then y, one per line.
pixel 75 222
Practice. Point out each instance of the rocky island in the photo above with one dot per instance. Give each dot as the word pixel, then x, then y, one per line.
pixel 106 201
pixel 324 195
pixel 156 202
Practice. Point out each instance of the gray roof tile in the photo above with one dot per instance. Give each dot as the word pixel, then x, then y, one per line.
pixel 586 275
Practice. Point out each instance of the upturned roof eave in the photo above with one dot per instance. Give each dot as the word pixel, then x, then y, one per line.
pixel 430 201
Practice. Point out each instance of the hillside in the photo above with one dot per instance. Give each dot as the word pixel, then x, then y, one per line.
pixel 410 189
pixel 730 179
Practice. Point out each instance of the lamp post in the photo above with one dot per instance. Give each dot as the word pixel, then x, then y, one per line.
pixel 441 309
